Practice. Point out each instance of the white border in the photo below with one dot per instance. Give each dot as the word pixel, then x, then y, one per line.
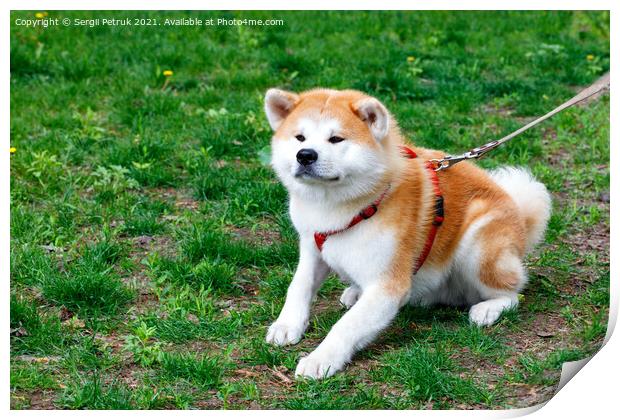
pixel 593 393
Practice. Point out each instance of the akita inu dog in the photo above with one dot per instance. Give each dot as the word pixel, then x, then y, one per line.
pixel 375 212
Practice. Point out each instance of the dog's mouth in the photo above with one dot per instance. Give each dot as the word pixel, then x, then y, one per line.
pixel 307 173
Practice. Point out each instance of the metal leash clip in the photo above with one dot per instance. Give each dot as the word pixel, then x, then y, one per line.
pixel 447 161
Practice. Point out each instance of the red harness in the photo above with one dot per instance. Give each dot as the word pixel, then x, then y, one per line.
pixel 368 212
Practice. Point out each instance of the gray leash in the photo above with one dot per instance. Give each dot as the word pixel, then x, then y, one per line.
pixel 447 161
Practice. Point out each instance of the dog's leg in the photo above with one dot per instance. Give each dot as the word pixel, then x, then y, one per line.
pixel 499 280
pixel 293 319
pixel 350 295
pixel 374 311
pixel 488 311
pixel 495 270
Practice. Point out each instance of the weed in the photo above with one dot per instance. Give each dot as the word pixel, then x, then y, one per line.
pixel 145 351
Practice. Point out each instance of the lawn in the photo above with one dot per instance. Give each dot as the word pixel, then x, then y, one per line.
pixel 150 241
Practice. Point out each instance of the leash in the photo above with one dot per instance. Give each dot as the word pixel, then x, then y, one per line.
pixel 447 161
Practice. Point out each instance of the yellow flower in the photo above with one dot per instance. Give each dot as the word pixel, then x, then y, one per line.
pixel 167 73
pixel 39 15
pixel 410 59
pixel 589 57
pixel 12 150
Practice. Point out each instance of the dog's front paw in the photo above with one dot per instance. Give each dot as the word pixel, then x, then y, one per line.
pixel 350 296
pixel 484 313
pixel 317 366
pixel 281 333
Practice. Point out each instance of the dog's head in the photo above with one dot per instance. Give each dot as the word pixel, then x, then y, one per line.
pixel 328 142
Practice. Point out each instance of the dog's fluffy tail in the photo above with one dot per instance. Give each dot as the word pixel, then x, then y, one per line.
pixel 531 197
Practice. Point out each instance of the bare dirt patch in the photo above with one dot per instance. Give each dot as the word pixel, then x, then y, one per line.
pixel 36 400
pixel 145 245
pixel 262 233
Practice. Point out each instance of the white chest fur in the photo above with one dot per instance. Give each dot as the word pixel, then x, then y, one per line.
pixel 359 255
pixel 362 254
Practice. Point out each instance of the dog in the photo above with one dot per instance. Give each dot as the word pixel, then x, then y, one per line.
pixel 374 211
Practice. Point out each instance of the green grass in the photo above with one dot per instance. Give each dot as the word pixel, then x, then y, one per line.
pixel 202 371
pixel 33 332
pixel 91 393
pixel 428 374
pixel 89 286
pixel 151 245
pixel 30 378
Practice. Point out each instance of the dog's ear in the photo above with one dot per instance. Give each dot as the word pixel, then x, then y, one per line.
pixel 278 104
pixel 375 115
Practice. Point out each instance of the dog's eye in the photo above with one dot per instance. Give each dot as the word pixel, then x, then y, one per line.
pixel 300 137
pixel 335 139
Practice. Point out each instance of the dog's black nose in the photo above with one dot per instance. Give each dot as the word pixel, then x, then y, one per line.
pixel 307 156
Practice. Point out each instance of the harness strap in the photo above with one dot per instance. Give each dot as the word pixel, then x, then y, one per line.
pixel 367 213
pixel 437 220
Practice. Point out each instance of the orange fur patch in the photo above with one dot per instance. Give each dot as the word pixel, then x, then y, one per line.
pixel 469 193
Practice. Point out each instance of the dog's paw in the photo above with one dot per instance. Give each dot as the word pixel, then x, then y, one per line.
pixel 281 334
pixel 485 313
pixel 350 296
pixel 317 366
